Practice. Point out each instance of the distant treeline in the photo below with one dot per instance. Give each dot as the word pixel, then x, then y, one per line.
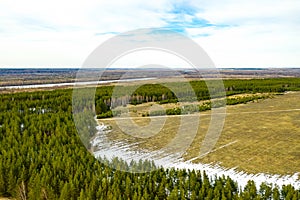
pixel 109 97
pixel 42 157
pixel 208 105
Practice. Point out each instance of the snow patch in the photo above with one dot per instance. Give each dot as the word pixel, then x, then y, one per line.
pixel 125 151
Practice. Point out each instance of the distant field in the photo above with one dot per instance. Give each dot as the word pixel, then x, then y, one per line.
pixel 257 137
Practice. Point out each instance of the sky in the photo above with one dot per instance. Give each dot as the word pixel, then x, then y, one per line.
pixel 234 33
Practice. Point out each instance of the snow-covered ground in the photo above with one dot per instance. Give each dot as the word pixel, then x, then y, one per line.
pixel 124 151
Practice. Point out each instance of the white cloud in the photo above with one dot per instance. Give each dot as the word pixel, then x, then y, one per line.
pixel 47 33
pixel 62 33
pixel 244 12
pixel 260 33
pixel 253 46
pixel 153 58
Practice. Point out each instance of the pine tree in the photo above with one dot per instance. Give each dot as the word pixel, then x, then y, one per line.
pixel 276 194
pixel 65 192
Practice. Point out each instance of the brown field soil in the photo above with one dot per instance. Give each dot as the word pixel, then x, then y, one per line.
pixel 257 137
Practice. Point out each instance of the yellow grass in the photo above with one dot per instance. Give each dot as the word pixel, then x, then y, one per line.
pixel 257 137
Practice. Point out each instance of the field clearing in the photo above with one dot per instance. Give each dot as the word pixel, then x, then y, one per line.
pixel 140 110
pixel 257 137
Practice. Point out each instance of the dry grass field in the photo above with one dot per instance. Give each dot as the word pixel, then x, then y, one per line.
pixel 257 137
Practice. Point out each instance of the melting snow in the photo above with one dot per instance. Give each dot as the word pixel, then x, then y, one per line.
pixel 122 150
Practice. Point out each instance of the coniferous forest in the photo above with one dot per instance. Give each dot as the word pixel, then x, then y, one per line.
pixel 42 156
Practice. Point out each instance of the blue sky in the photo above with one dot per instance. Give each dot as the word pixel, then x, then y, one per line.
pixel 242 33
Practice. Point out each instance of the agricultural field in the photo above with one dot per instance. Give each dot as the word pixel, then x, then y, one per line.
pixel 260 136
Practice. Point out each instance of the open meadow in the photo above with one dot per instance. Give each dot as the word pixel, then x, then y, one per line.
pixel 258 137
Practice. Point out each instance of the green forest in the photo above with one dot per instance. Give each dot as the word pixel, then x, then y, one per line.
pixel 42 156
pixel 188 92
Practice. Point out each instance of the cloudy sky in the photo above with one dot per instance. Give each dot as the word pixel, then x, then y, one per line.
pixel 258 33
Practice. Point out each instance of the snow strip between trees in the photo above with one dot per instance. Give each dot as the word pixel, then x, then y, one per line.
pixel 122 150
